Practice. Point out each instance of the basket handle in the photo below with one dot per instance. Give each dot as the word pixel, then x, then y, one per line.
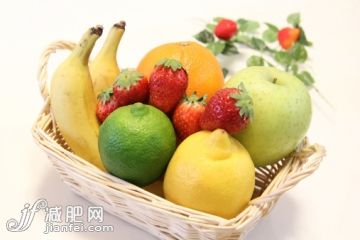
pixel 313 156
pixel 42 75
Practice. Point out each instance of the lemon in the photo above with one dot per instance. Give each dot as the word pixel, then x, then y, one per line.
pixel 136 143
pixel 211 172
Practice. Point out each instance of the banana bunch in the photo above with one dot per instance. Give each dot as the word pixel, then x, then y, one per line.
pixel 74 87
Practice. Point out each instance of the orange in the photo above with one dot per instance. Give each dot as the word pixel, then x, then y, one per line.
pixel 204 71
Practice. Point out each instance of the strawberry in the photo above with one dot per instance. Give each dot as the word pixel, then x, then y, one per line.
pixel 288 36
pixel 106 104
pixel 225 29
pixel 131 87
pixel 186 118
pixel 230 109
pixel 168 83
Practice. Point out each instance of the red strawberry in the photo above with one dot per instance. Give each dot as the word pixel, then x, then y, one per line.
pixel 225 29
pixel 186 118
pixel 131 87
pixel 106 104
pixel 229 109
pixel 288 36
pixel 168 83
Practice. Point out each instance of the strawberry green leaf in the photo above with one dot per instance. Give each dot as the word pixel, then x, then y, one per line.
pixel 195 99
pixel 247 25
pixel 105 95
pixel 230 49
pixel 294 19
pixel 170 63
pixel 306 78
pixel 303 40
pixel 204 36
pixel 257 44
pixel 127 78
pixel 216 47
pixel 298 53
pixel 270 35
pixel 255 61
pixel 244 102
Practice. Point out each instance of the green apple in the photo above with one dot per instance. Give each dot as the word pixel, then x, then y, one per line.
pixel 282 113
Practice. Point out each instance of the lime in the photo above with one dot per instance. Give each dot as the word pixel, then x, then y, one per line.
pixel 136 143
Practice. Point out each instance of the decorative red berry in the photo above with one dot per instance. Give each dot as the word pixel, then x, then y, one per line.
pixel 287 37
pixel 225 29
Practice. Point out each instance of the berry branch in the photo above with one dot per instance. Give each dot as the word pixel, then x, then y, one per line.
pixel 285 48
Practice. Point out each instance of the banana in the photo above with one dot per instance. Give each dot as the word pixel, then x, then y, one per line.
pixel 104 69
pixel 73 102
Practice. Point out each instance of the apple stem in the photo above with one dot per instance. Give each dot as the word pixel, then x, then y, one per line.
pixel 274 80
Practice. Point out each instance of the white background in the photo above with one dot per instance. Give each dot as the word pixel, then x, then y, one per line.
pixel 324 206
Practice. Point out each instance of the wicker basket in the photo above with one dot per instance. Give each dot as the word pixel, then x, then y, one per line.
pixel 151 212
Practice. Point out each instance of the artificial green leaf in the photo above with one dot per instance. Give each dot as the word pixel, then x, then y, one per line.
pixel 294 19
pixel 204 36
pixel 303 40
pixel 216 47
pixel 230 49
pixel 298 53
pixel 257 44
pixel 306 78
pixel 225 71
pixel 283 58
pixel 241 38
pixel 217 19
pixel 210 26
pixel 255 61
pixel 294 68
pixel 247 25
pixel 267 63
pixel 270 35
pixel 272 27
pixel 241 21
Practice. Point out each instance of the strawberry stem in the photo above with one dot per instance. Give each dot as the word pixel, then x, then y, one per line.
pixel 127 78
pixel 105 95
pixel 193 98
pixel 244 102
pixel 170 63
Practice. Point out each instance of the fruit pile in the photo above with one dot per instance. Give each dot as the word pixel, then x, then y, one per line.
pixel 173 119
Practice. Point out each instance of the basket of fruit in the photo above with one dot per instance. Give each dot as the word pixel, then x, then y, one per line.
pixel 170 147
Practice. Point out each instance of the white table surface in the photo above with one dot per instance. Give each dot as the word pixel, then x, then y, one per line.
pixel 324 206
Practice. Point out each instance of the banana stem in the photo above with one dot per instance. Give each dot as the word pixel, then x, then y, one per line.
pixel 112 41
pixel 83 49
pixel 120 25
